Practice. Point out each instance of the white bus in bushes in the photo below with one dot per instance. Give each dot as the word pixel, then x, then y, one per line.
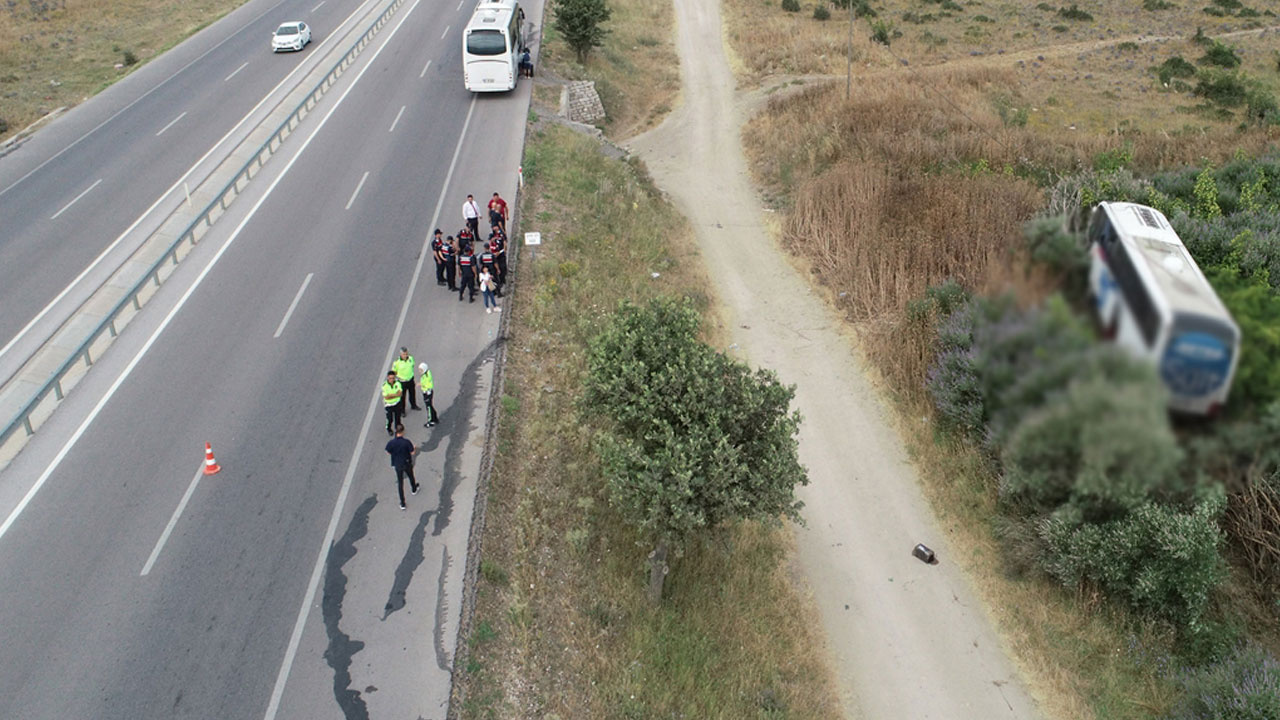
pixel 1153 300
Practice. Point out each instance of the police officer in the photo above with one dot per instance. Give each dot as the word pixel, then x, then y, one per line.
pixel 437 252
pixel 391 392
pixel 403 366
pixel 488 262
pixel 465 237
pixel 449 253
pixel 428 395
pixel 467 272
pixel 498 246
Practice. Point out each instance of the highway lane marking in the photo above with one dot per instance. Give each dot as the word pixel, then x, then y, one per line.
pixel 243 65
pixel 293 305
pixel 322 2
pixel 103 255
pixel 424 70
pixel 393 122
pixel 460 4
pixel 356 192
pixel 77 198
pixel 164 536
pixel 182 301
pixel 446 32
pixel 171 123
pixel 318 570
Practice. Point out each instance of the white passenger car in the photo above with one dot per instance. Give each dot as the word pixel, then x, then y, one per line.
pixel 291 36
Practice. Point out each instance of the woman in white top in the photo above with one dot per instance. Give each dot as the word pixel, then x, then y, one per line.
pixel 487 287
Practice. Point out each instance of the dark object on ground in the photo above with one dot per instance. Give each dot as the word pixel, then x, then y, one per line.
pixel 926 555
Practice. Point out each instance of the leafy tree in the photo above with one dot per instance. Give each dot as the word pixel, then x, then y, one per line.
pixel 579 22
pixel 695 438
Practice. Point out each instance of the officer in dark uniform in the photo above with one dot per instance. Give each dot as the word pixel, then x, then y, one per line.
pixel 437 252
pixel 498 246
pixel 467 272
pixel 465 237
pixel 488 262
pixel 449 253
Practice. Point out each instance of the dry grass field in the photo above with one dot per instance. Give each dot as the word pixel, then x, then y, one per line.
pixel 928 173
pixel 56 53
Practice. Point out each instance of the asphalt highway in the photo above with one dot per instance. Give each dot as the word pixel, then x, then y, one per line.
pixel 90 178
pixel 290 584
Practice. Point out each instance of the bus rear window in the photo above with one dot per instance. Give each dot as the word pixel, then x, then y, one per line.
pixel 1197 360
pixel 486 42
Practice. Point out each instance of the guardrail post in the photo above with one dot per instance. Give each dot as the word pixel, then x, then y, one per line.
pixel 112 327
pixel 57 389
pixel 26 424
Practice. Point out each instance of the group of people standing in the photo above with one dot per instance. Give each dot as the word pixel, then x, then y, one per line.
pixel 461 268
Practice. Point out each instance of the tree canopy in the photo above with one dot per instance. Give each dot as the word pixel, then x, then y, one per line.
pixel 579 21
pixel 695 438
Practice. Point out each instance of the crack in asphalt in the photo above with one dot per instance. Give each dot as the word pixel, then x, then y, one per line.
pixel 455 425
pixel 442 608
pixel 341 647
pixel 413 556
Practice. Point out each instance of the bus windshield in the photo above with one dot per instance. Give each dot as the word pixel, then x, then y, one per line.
pixel 486 42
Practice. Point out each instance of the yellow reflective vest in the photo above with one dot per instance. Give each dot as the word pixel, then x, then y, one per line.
pixel 391 392
pixel 403 368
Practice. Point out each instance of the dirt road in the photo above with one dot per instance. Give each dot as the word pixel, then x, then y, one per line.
pixel 908 640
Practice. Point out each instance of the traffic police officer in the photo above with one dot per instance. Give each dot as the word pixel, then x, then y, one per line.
pixel 391 392
pixel 428 395
pixel 403 366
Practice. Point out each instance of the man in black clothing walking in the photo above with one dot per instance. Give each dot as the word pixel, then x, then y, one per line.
pixel 467 272
pixel 401 451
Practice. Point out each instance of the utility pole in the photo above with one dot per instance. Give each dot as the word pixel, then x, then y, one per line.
pixel 848 76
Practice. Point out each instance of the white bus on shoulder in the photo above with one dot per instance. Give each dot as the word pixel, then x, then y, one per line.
pixel 1152 298
pixel 491 46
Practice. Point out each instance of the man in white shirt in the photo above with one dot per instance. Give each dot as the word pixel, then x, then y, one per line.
pixel 471 212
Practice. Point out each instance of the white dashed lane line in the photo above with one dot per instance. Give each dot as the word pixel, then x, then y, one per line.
pixel 294 305
pixel 77 198
pixel 171 124
pixel 236 71
pixel 357 190
pixel 393 122
pixel 424 70
pixel 446 32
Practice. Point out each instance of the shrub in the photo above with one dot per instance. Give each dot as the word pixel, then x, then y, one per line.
pixel 882 31
pixel 1074 13
pixel 1065 253
pixel 1157 5
pixel 821 13
pixel 130 58
pixel 1245 685
pixel 860 7
pixel 1175 67
pixel 1220 55
pixel 1098 450
pixel 1200 38
pixel 1219 86
pixel 1261 107
pixel 1256 309
pixel 1162 562
pixel 791 5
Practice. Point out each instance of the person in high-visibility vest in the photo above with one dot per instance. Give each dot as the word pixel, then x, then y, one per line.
pixel 391 392
pixel 403 366
pixel 428 394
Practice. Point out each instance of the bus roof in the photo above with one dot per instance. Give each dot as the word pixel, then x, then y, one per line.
pixel 1146 232
pixel 492 14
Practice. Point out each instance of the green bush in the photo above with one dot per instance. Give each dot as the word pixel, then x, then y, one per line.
pixel 1219 86
pixel 1162 562
pixel 1261 107
pixel 1221 56
pixel 791 5
pixel 1074 13
pixel 1065 253
pixel 1098 450
pixel 1157 5
pixel 1175 67
pixel 882 32
pixel 821 13
pixel 1245 685
pixel 1256 309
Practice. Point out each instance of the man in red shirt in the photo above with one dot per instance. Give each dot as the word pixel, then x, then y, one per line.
pixel 498 212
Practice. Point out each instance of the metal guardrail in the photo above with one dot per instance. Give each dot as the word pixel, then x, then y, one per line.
pixel 114 321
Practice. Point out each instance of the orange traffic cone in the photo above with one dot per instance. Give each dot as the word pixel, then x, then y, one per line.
pixel 211 466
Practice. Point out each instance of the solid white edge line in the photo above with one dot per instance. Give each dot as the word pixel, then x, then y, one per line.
pixel 102 256
pixel 424 70
pixel 236 71
pixel 171 123
pixel 75 200
pixel 397 120
pixel 182 301
pixel 446 32
pixel 293 305
pixel 356 192
pixel 173 521
pixel 318 571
